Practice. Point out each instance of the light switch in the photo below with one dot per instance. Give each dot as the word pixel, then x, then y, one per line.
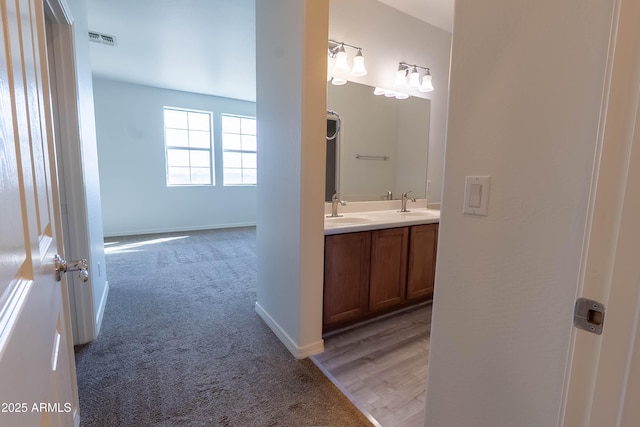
pixel 476 195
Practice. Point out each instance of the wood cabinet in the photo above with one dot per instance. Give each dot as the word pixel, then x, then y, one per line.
pixel 373 272
pixel 422 261
pixel 387 286
pixel 346 277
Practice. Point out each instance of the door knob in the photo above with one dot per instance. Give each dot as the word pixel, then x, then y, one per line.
pixel 63 266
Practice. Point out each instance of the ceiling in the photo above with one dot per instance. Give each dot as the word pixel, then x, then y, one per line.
pixel 201 46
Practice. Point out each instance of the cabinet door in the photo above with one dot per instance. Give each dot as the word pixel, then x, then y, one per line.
pixel 388 268
pixel 346 277
pixel 422 261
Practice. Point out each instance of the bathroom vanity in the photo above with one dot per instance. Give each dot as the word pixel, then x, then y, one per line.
pixel 377 262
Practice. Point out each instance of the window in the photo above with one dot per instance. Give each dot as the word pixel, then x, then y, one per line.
pixel 239 150
pixel 187 139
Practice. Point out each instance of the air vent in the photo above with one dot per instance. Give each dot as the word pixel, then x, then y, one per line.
pixel 102 38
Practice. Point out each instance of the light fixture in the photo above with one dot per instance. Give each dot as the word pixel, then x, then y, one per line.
pixel 411 71
pixel 401 76
pixel 390 93
pixel 427 84
pixel 338 81
pixel 414 78
pixel 358 65
pixel 341 65
pixel 338 63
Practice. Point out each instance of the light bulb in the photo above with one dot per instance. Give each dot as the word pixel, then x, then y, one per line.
pixel 414 79
pixel 358 65
pixel 401 77
pixel 341 65
pixel 427 84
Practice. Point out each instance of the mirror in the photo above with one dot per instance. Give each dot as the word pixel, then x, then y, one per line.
pixel 381 146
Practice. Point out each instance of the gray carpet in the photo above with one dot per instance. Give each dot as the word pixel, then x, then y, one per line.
pixel 181 344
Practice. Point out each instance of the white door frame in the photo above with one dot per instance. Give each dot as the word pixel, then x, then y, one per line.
pixel 599 366
pixel 86 317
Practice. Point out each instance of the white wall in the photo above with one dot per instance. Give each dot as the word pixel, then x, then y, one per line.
pixel 291 75
pixel 136 199
pixel 387 37
pixel 526 88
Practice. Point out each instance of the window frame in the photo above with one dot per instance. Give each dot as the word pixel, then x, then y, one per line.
pixel 189 149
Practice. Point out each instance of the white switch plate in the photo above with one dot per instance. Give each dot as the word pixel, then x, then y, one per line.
pixel 476 195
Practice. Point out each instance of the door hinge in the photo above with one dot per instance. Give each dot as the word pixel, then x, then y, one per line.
pixel 588 315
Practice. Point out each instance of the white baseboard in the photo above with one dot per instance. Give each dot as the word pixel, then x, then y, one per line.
pixel 103 304
pixel 297 351
pixel 176 229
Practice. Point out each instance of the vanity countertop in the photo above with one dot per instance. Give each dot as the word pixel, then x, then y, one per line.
pixel 351 222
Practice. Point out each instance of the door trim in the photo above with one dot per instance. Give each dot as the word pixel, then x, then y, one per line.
pixel 586 398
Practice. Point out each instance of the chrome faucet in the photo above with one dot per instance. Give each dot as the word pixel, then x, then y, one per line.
pixel 335 200
pixel 405 197
pixel 388 196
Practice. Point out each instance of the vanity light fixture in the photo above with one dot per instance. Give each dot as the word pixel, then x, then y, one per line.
pixel 411 72
pixel 338 63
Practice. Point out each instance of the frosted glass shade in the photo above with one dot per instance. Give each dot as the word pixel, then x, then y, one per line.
pixel 358 65
pixel 341 65
pixel 337 81
pixel 378 91
pixel 401 78
pixel 414 79
pixel 427 85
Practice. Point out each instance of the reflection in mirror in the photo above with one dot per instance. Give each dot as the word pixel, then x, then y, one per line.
pixel 382 144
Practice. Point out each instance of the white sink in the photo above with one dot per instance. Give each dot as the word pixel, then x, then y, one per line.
pixel 347 220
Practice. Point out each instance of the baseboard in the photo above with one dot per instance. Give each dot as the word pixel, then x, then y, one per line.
pixel 177 229
pixel 103 304
pixel 297 351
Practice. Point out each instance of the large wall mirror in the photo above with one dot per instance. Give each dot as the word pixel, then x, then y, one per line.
pixel 382 144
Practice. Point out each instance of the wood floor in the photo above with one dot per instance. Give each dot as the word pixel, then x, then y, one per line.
pixel 382 366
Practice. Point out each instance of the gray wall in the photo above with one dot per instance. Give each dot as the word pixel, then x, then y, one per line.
pixel 135 198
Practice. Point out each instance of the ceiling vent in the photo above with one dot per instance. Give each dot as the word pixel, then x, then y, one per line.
pixel 102 38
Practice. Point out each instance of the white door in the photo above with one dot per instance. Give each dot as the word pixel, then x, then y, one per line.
pixel 37 370
pixel 603 383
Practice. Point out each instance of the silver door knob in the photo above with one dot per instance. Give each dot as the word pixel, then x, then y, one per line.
pixel 63 266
